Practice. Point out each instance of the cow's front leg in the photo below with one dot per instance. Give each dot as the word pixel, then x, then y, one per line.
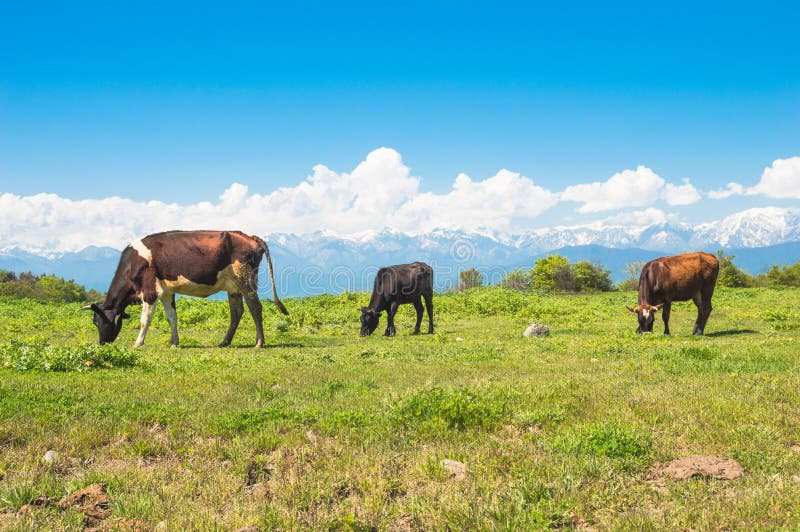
pixel 168 300
pixel 390 312
pixel 147 317
pixel 665 315
pixel 254 304
pixel 237 309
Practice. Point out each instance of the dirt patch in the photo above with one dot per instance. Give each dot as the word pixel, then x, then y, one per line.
pixel 127 524
pixel 405 523
pixel 92 501
pixel 695 466
pixel 457 470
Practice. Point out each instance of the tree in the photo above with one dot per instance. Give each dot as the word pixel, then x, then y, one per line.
pixel 633 270
pixel 784 275
pixel 518 280
pixel 591 277
pixel 471 278
pixel 730 275
pixel 552 273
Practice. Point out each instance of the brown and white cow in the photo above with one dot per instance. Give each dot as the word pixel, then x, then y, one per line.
pixel 195 263
pixel 394 286
pixel 676 278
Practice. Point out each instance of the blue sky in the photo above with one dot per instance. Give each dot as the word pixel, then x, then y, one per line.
pixel 177 102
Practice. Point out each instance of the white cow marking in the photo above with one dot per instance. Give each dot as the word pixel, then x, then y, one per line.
pixel 646 312
pixel 143 251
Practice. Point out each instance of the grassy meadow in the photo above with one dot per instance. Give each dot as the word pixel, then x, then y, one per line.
pixel 323 429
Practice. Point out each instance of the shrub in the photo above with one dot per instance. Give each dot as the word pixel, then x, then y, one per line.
pixel 22 356
pixel 455 409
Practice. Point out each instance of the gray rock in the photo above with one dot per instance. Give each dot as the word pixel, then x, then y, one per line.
pixel 457 469
pixel 536 329
pixel 50 457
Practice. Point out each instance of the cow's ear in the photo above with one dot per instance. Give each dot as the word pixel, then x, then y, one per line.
pixel 125 315
pixel 363 309
pixel 87 307
pixel 631 309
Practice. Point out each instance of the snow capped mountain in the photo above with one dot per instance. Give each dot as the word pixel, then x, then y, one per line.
pixel 327 262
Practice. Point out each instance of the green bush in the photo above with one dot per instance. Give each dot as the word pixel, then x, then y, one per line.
pixel 21 356
pixel 455 409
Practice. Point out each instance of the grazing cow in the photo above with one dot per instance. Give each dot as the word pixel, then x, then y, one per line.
pixel 195 263
pixel 677 278
pixel 395 285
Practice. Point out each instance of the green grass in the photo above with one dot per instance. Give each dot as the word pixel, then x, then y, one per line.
pixel 349 433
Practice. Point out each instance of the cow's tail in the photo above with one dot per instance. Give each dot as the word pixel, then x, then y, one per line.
pixel 275 297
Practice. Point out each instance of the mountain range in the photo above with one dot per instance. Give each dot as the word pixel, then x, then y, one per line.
pixel 322 262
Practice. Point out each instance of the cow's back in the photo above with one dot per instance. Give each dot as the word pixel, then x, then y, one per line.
pixel 199 256
pixel 677 277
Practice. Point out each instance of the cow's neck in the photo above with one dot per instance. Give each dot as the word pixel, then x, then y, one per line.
pixel 376 303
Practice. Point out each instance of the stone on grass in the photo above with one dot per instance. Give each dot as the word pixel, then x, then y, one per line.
pixel 535 330
pixel 457 469
pixel 50 457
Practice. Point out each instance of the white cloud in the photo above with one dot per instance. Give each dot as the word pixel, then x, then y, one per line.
pixel 781 180
pixel 733 189
pixel 629 188
pixel 684 194
pixel 500 202
pixel 380 192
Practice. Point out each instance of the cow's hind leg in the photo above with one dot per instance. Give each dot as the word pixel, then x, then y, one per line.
pixel 665 315
pixel 390 312
pixel 254 304
pixel 418 308
pixel 168 300
pixel 429 306
pixel 237 309
pixel 147 317
pixel 699 324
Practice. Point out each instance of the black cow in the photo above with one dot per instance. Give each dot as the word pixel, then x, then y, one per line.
pixel 195 263
pixel 676 278
pixel 394 286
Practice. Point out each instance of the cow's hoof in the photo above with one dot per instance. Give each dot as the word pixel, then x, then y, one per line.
pixel 224 344
pixel 258 345
pixel 173 346
pixel 415 332
pixel 430 331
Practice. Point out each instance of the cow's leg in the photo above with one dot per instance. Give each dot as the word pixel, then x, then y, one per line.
pixel 699 323
pixel 418 308
pixel 254 304
pixel 390 312
pixel 665 315
pixel 237 309
pixel 168 300
pixel 147 317
pixel 429 306
pixel 706 313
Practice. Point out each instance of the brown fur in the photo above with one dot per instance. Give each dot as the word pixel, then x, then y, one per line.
pixel 677 278
pixel 198 263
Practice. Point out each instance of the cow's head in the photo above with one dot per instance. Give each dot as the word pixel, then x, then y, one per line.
pixel 646 315
pixel 107 321
pixel 369 321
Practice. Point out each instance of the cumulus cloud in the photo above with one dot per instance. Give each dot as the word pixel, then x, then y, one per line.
pixel 629 188
pixel 780 180
pixel 733 189
pixel 380 192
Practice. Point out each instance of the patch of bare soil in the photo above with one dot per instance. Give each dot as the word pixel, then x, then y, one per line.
pixel 127 524
pixel 92 501
pixel 695 466
pixel 405 523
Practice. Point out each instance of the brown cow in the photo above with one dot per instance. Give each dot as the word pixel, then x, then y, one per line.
pixel 195 263
pixel 677 278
